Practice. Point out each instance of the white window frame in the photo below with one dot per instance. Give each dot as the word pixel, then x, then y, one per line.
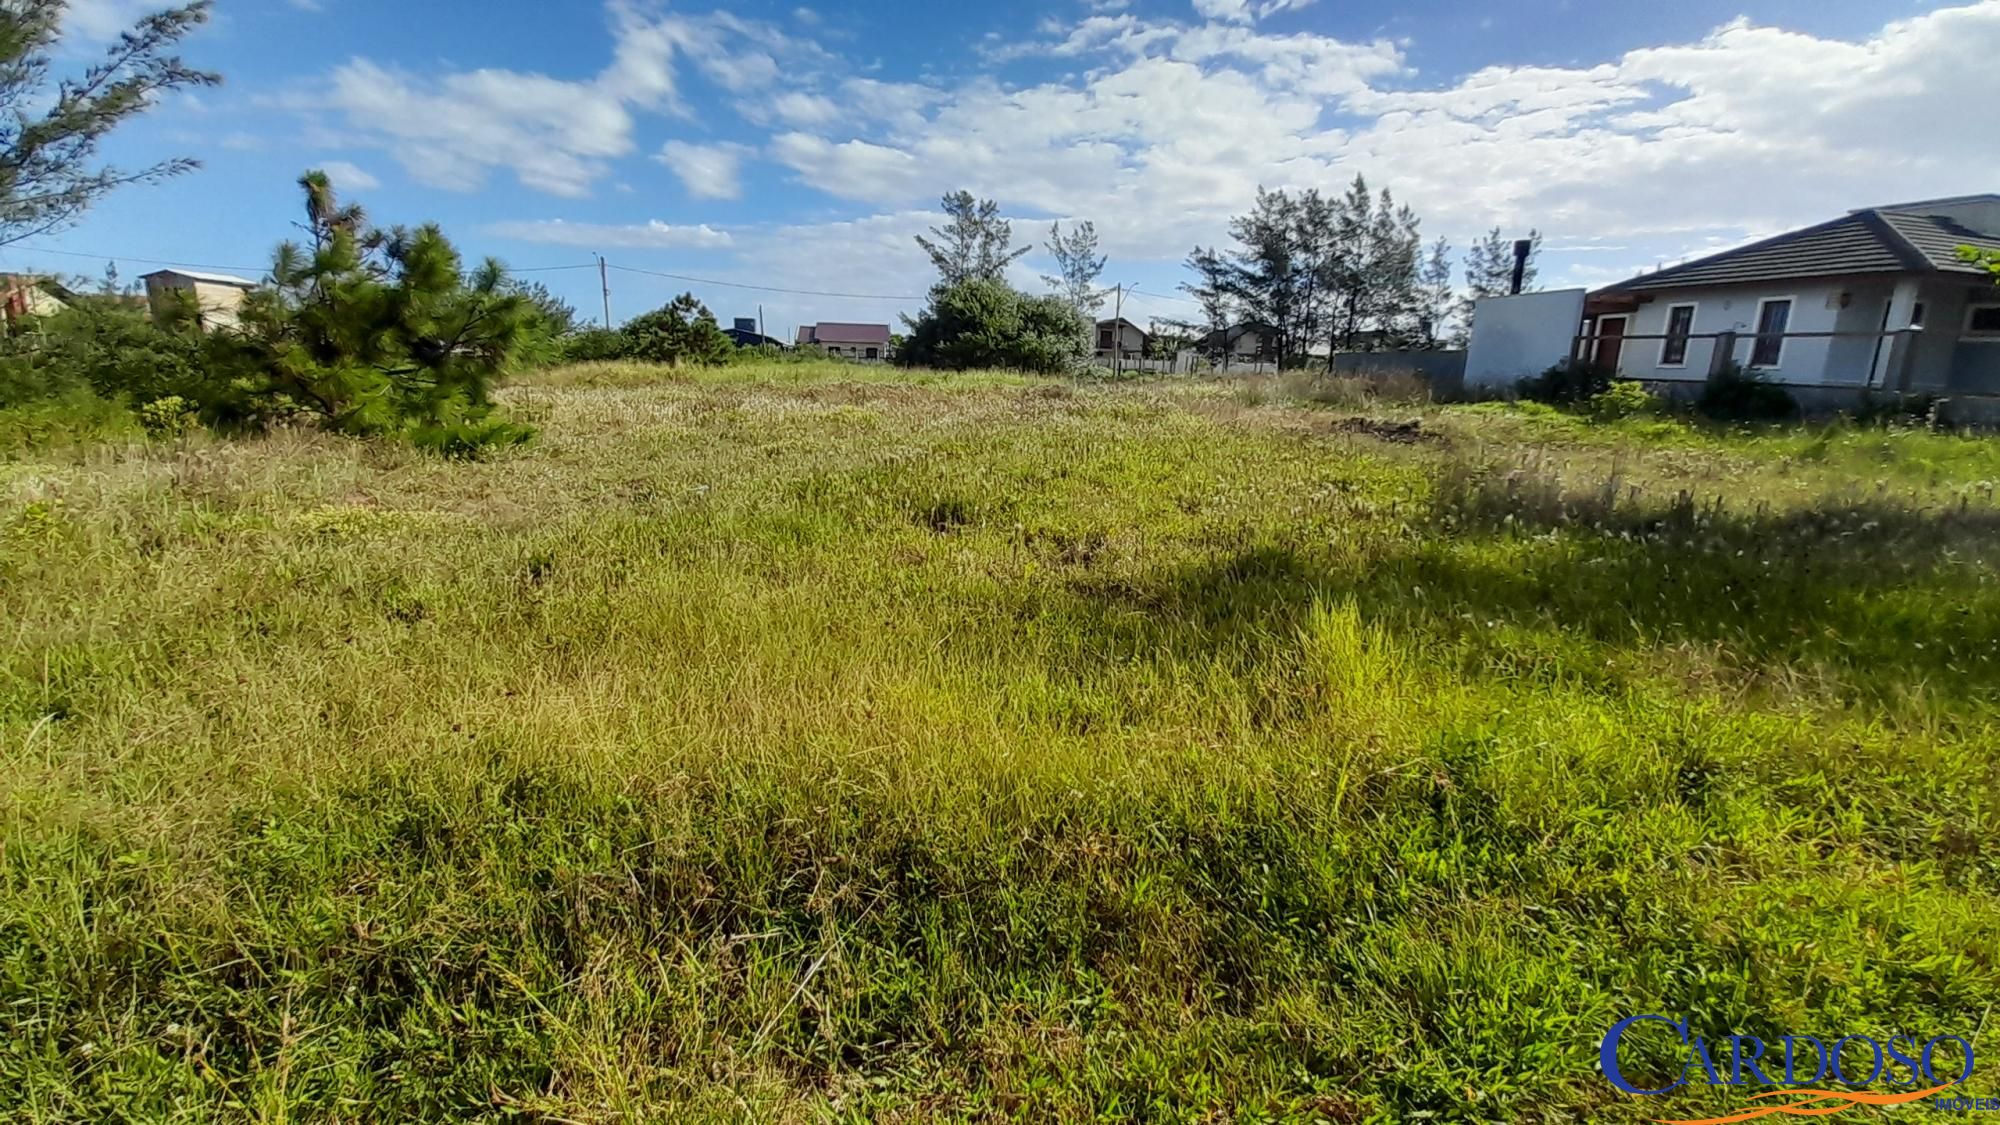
pixel 1667 335
pixel 1973 310
pixel 1757 333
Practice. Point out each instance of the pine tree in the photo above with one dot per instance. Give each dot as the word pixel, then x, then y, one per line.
pixel 975 245
pixel 1264 278
pixel 1078 265
pixel 1489 269
pixel 1435 301
pixel 377 332
pixel 48 149
pixel 1210 290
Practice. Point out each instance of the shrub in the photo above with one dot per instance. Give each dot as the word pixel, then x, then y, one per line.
pixel 169 417
pixel 1624 398
pixel 682 331
pixel 1567 383
pixel 1735 395
pixel 372 331
pixel 595 345
pixel 982 323
pixel 115 351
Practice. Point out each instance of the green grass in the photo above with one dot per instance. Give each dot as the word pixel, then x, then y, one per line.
pixel 815 742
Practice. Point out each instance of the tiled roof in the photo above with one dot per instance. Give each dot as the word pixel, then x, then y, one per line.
pixel 849 334
pixel 1938 237
pixel 1904 239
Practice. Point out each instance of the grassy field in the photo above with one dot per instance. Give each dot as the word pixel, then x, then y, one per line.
pixel 816 743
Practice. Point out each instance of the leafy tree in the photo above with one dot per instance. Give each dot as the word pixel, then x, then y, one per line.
pixel 976 244
pixel 1078 265
pixel 49 137
pixel 682 331
pixel 984 322
pixel 374 332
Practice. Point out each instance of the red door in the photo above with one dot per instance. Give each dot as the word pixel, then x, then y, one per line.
pixel 1610 342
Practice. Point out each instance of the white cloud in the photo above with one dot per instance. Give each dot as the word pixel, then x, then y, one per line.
pixel 1234 11
pixel 1165 127
pixel 1172 126
pixel 348 177
pixel 557 135
pixel 653 235
pixel 707 171
pixel 97 20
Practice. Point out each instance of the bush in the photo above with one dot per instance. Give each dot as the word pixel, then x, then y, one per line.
pixel 169 417
pixel 990 324
pixel 1735 395
pixel 595 345
pixel 372 332
pixel 1567 383
pixel 115 351
pixel 1625 398
pixel 682 331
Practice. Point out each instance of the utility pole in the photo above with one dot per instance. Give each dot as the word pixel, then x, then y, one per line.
pixel 604 279
pixel 1118 331
pixel 760 322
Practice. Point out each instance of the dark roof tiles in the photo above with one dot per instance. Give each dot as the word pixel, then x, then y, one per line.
pixel 1874 240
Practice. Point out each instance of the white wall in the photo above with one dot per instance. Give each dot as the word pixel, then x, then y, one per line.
pixel 1816 307
pixel 1515 337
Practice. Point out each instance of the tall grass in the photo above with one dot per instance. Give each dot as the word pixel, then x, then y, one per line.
pixel 849 747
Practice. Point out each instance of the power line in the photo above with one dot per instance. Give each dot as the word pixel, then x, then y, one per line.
pixel 247 269
pixel 130 258
pixel 767 288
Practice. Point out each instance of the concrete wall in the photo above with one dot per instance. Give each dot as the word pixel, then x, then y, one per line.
pixel 1515 337
pixel 1445 369
pixel 1856 305
pixel 1815 308
pixel 219 304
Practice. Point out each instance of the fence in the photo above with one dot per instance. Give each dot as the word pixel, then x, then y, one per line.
pixel 1873 359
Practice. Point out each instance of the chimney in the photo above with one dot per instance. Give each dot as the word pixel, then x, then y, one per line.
pixel 1522 248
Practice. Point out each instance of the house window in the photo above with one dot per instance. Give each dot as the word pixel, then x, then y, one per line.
pixel 1773 317
pixel 1680 324
pixel 874 353
pixel 1983 321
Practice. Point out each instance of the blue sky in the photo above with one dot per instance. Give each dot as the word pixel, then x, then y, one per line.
pixel 800 147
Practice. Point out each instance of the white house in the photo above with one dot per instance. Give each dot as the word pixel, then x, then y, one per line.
pixel 217 296
pixel 1876 298
pixel 1120 338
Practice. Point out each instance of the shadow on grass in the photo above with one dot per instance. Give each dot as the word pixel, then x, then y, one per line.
pixel 1883 599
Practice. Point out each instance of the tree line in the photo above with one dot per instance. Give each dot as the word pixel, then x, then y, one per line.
pixel 1309 273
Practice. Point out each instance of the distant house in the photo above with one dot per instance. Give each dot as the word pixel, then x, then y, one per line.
pixel 1248 341
pixel 1120 339
pixel 217 296
pixel 849 341
pixel 744 333
pixel 1875 298
pixel 23 296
